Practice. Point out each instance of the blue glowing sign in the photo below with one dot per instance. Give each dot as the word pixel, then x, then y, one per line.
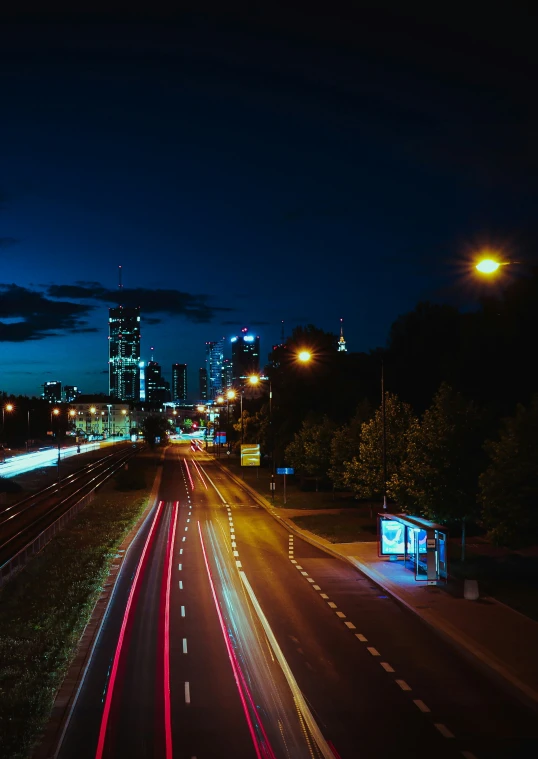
pixel 392 537
pixel 285 470
pixel 248 339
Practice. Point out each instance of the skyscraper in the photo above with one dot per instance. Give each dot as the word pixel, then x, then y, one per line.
pixel 157 388
pixel 52 391
pixel 179 382
pixel 214 361
pixel 245 356
pixel 202 374
pixel 341 341
pixel 227 378
pixel 124 352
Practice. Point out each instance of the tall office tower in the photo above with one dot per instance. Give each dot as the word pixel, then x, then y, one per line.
pixel 341 341
pixel 213 361
pixel 157 388
pixel 202 373
pixel 245 356
pixel 124 353
pixel 71 392
pixel 52 391
pixel 179 382
pixel 227 379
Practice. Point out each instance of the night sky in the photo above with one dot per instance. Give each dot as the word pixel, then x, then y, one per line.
pixel 248 168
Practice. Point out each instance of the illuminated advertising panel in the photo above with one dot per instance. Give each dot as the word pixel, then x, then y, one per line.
pixel 392 537
pixel 422 546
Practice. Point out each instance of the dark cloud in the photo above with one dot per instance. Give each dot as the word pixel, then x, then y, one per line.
pixel 172 302
pixel 6 242
pixel 151 320
pixel 37 316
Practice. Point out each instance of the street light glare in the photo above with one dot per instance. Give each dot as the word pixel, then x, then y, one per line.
pixel 304 356
pixel 9 407
pixel 55 411
pixel 253 379
pixel 487 266
pixel 230 395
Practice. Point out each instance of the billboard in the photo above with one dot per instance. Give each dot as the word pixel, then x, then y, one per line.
pixel 250 454
pixel 392 537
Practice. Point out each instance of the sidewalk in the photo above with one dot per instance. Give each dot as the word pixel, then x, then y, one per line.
pixel 496 636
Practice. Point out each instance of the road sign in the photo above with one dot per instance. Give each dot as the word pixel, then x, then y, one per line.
pixel 250 455
pixel 285 470
pixel 220 438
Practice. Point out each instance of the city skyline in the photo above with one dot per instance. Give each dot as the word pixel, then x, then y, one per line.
pixel 244 177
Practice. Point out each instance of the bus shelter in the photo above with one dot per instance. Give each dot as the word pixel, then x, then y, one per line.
pixel 422 545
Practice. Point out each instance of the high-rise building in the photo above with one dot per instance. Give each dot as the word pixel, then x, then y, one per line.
pixel 202 374
pixel 214 360
pixel 179 382
pixel 341 340
pixel 52 391
pixel 124 353
pixel 157 388
pixel 227 377
pixel 71 393
pixel 245 356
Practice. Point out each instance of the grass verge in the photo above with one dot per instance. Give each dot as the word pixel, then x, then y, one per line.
pixel 44 610
pixel 346 527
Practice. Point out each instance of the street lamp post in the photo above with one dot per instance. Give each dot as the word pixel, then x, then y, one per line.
pixel 384 435
pixel 9 408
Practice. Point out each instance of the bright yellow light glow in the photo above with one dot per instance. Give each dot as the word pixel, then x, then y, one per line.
pixel 220 399
pixel 124 411
pixel 55 411
pixel 200 408
pixel 92 410
pixel 487 266
pixel 230 395
pixel 72 412
pixel 253 379
pixel 9 407
pixel 304 356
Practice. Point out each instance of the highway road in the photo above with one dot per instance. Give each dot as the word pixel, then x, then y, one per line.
pixel 227 636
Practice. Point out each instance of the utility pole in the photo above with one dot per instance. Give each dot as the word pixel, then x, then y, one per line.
pixel 384 435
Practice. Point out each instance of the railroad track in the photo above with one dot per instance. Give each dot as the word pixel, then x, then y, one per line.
pixel 22 522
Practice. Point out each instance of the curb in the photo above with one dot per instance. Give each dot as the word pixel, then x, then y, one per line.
pixel 49 742
pixel 488 663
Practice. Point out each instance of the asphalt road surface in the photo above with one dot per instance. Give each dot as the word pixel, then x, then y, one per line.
pixel 229 637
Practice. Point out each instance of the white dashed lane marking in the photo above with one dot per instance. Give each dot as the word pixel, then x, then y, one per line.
pixel 403 685
pixel 386 666
pixel 184 645
pixel 443 729
pixel 421 705
pixel 373 651
pixel 182 611
pixel 187 693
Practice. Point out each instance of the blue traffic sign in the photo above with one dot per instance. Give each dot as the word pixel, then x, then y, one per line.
pixel 285 470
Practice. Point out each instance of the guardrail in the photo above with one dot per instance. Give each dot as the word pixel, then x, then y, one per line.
pixel 19 561
pixel 10 568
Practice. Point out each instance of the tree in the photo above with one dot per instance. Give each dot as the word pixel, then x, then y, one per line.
pixel 509 486
pixel 364 473
pixel 310 450
pixel 438 476
pixel 154 427
pixel 187 425
pixel 345 444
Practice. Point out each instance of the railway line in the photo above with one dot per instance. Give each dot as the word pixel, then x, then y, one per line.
pixel 22 522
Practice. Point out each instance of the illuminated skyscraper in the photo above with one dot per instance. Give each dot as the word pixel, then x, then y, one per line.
pixel 124 353
pixel 245 356
pixel 214 361
pixel 341 340
pixel 202 374
pixel 179 382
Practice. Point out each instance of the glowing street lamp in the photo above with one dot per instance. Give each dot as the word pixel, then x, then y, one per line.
pixel 488 266
pixel 9 408
pixel 304 356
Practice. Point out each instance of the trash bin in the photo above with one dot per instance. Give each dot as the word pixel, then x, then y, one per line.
pixel 470 590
